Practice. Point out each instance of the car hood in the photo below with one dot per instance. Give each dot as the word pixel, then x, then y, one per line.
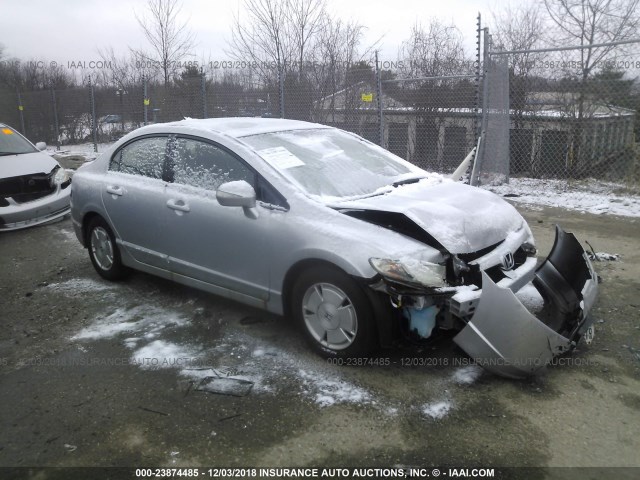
pixel 26 164
pixel 463 219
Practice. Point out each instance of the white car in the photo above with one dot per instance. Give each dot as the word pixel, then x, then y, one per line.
pixel 34 188
pixel 359 246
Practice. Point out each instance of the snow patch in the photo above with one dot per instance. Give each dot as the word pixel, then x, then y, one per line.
pixel 467 375
pixel 144 320
pixel 328 392
pixel 437 410
pixel 79 286
pixel 163 354
pixel 590 196
pixel 530 298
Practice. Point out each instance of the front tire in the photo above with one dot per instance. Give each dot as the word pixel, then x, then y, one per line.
pixel 334 313
pixel 104 252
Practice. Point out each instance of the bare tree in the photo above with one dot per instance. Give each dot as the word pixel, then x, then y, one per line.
pixel 306 19
pixel 124 71
pixel 585 23
pixel 516 28
pixel 588 22
pixel 278 33
pixel 337 49
pixel 519 27
pixel 169 38
pixel 436 49
pixel 262 38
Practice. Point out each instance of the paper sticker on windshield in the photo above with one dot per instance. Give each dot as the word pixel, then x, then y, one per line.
pixel 7 131
pixel 280 157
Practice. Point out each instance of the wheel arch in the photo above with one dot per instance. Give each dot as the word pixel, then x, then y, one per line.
pixel 381 308
pixel 86 221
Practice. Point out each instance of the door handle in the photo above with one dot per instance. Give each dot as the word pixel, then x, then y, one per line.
pixel 115 190
pixel 179 205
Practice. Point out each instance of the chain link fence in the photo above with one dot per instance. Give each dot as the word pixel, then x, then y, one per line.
pixel 573 124
pixel 548 127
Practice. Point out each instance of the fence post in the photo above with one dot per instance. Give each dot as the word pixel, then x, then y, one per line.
pixel 204 93
pixel 94 126
pixel 281 87
pixel 145 100
pixel 478 73
pixel 477 165
pixel 379 103
pixel 56 126
pixel 21 110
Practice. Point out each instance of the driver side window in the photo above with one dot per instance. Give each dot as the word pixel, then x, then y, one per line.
pixel 204 165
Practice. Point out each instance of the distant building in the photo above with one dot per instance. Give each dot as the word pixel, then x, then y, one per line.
pixel 439 138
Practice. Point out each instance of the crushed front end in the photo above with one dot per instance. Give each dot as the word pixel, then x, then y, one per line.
pixel 33 199
pixel 475 295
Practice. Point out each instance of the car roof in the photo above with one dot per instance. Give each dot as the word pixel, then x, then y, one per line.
pixel 238 127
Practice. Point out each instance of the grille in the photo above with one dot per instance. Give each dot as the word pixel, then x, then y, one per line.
pixel 26 188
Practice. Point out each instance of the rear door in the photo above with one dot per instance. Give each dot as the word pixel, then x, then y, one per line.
pixel 134 199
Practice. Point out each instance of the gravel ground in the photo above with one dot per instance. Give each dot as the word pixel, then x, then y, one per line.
pixel 100 374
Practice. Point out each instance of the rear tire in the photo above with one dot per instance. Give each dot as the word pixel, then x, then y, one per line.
pixel 104 252
pixel 334 313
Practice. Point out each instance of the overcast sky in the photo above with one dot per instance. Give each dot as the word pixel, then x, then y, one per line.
pixel 76 29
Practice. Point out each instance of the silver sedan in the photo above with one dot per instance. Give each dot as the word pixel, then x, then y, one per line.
pixel 357 245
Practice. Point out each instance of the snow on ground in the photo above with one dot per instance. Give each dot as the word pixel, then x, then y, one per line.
pixel 327 391
pixel 148 331
pixel 239 362
pixel 530 298
pixel 145 321
pixel 467 375
pixel 85 150
pixel 163 354
pixel 589 196
pixel 437 410
pixel 79 286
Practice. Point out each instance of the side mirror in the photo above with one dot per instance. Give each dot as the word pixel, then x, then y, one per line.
pixel 238 194
pixel 41 146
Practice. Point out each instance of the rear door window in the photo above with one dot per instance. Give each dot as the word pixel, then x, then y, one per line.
pixel 144 157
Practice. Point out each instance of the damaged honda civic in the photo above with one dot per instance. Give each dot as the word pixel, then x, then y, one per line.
pixel 360 247
pixel 34 188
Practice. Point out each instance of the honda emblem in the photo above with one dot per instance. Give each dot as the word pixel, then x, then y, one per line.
pixel 508 262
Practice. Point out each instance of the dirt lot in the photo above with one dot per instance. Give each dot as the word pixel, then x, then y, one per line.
pixel 71 396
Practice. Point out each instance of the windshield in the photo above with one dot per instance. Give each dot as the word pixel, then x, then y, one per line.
pixel 332 164
pixel 12 143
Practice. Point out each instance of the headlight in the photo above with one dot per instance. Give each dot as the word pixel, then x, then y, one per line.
pixel 459 266
pixel 61 176
pixel 410 271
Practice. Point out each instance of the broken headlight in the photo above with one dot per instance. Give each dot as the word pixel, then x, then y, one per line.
pixel 410 271
pixel 459 266
pixel 60 177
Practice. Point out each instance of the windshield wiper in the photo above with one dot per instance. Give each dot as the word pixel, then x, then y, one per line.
pixel 406 181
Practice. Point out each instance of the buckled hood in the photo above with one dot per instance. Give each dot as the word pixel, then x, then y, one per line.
pixel 461 218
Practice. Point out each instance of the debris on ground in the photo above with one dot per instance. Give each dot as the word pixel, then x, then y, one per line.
pixel 601 256
pixel 225 385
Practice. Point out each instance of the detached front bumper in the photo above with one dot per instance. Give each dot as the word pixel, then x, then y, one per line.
pixel 506 339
